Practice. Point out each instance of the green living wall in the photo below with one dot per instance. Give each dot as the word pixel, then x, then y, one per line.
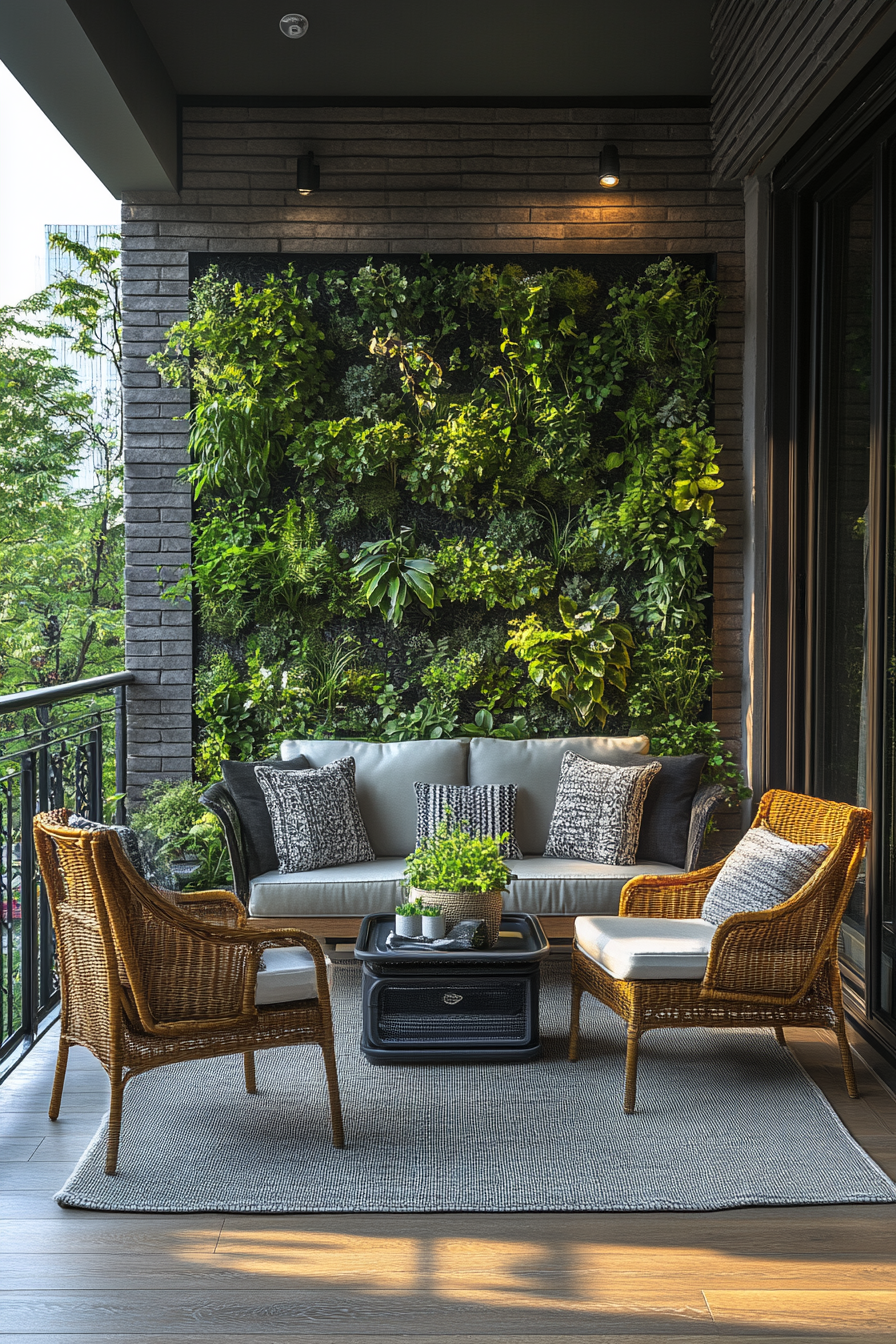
pixel 450 497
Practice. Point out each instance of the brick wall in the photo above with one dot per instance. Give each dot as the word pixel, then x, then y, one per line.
pixel 399 180
pixel 771 58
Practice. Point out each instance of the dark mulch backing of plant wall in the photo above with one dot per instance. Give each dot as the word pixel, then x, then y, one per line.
pixel 405 652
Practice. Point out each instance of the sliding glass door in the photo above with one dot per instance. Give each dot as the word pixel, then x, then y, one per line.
pixel 830 665
pixel 842 523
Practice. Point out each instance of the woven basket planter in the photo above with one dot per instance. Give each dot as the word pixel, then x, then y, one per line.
pixel 458 905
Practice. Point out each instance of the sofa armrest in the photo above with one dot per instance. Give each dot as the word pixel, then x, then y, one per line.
pixel 707 799
pixel 219 802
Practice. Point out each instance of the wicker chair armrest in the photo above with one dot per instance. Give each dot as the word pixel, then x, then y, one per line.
pixel 662 896
pixel 772 956
pixel 217 907
pixel 260 939
pixel 219 802
pixel 707 799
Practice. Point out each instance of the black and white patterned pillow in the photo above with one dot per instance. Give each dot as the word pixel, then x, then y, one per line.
pixel 763 870
pixel 126 835
pixel 597 815
pixel 489 809
pixel 315 816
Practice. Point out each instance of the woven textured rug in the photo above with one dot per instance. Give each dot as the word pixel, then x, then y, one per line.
pixel 726 1119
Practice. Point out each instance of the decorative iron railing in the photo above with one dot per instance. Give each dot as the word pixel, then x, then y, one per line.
pixel 59 746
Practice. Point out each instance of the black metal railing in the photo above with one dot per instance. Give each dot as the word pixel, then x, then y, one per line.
pixel 59 746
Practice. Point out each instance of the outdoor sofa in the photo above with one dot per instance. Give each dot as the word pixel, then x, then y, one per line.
pixel 385 773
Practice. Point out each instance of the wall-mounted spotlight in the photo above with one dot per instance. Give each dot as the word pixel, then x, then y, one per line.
pixel 294 25
pixel 307 174
pixel 609 166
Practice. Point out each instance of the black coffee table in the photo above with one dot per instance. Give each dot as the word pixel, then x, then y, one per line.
pixel 451 1007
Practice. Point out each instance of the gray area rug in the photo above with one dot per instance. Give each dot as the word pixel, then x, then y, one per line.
pixel 726 1119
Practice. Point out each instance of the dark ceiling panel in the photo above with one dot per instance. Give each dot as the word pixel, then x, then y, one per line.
pixel 487 48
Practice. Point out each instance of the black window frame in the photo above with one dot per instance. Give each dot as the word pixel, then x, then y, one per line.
pixel 859 129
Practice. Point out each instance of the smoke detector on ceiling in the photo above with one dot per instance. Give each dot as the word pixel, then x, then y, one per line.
pixel 293 25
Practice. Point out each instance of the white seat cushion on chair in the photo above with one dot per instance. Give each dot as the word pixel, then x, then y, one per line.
pixel 646 949
pixel 287 974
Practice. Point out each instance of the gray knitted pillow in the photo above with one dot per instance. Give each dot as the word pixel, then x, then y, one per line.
pixel 315 816
pixel 597 815
pixel 126 835
pixel 763 870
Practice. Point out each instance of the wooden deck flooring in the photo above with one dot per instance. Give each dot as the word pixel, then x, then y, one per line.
pixel 751 1275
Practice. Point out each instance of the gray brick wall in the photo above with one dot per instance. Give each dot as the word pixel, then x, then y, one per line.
pixel 400 180
pixel 771 58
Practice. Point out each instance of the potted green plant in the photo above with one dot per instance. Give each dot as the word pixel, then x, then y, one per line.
pixel 408 921
pixel 464 873
pixel 433 921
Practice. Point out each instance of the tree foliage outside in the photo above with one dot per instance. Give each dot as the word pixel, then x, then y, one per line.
pixel 435 499
pixel 61 543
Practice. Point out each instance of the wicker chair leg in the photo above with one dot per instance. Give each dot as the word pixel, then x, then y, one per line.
pixel 631 1067
pixel 779 1036
pixel 114 1125
pixel 58 1079
pixel 333 1089
pixel 575 1010
pixel 849 1072
pixel 249 1069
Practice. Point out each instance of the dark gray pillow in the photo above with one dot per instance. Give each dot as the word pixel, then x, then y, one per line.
pixel 315 815
pixel 126 835
pixel 252 810
pixel 488 808
pixel 666 819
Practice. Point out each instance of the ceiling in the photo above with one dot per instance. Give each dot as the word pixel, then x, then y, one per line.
pixel 108 73
pixel 407 47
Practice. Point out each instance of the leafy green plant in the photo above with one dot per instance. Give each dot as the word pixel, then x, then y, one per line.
pixel 172 824
pixel 483 395
pixel 454 860
pixel 392 574
pixel 576 663
pixel 477 571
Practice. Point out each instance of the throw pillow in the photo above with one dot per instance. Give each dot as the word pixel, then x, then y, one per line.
pixel 763 870
pixel 597 815
pixel 488 808
pixel 252 810
pixel 666 820
pixel 315 816
pixel 126 835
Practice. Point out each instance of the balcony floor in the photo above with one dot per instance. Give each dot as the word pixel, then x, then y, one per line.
pixel 749 1274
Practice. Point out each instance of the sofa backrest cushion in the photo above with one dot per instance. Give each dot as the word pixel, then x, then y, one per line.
pixel 666 820
pixel 533 765
pixel 385 775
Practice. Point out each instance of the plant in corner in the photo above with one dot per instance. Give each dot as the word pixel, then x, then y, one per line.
pixel 466 870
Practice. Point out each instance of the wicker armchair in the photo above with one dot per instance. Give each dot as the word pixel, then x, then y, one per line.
pixel 774 967
pixel 151 977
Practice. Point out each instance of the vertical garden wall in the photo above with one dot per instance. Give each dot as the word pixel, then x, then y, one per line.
pixel 450 497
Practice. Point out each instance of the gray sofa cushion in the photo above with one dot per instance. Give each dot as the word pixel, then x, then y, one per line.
pixel 543 887
pixel 385 774
pixel 666 820
pixel 353 889
pixel 252 810
pixel 533 765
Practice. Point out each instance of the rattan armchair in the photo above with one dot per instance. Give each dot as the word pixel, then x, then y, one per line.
pixel 774 967
pixel 150 977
